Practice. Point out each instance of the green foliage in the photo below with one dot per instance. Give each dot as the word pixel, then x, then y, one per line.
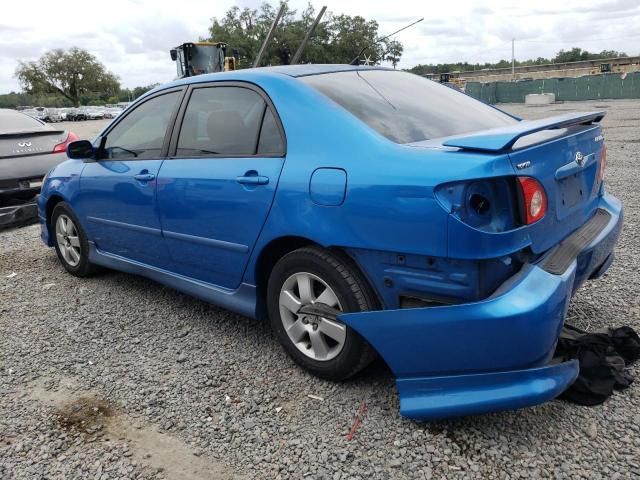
pixel 337 39
pixel 13 100
pixel 576 54
pixel 393 52
pixel 573 55
pixel 130 94
pixel 75 75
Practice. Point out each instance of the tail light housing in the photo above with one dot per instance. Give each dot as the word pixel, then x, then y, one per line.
pixel 489 205
pixel 603 164
pixel 62 147
pixel 534 199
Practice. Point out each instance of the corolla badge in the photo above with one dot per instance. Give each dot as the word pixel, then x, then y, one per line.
pixel 24 144
pixel 580 159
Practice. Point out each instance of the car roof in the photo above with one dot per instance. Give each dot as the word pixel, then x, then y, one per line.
pixel 255 74
pixel 317 69
pixel 288 70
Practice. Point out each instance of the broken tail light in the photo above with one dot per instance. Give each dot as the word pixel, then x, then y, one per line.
pixel 489 204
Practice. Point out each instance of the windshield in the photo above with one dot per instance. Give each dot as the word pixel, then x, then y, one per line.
pixel 404 107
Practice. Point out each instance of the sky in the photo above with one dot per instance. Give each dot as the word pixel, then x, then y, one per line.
pixel 132 38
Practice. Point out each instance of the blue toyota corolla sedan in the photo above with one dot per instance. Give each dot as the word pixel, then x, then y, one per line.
pixel 362 211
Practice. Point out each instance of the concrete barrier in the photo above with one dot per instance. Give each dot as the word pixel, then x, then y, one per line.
pixel 539 98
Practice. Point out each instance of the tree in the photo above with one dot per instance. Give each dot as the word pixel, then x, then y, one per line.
pixel 337 39
pixel 574 55
pixel 139 91
pixel 72 74
pixel 349 35
pixel 393 52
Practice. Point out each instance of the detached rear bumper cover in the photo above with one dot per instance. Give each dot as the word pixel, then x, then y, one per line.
pixel 490 355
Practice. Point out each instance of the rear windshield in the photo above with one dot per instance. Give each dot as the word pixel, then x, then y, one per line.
pixel 14 121
pixel 405 107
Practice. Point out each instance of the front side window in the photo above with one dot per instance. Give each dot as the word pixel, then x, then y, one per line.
pixel 141 133
pixel 406 108
pixel 221 121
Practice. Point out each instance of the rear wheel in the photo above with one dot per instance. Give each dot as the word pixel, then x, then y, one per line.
pixel 307 289
pixel 70 241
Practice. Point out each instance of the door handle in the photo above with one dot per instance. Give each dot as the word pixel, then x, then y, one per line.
pixel 253 180
pixel 144 177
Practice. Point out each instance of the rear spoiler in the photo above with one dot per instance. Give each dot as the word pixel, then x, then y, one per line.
pixel 497 139
pixel 28 133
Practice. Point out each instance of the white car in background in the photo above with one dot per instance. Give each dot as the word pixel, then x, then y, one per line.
pixel 95 114
pixel 112 112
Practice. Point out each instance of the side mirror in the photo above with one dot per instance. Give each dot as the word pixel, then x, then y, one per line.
pixel 174 54
pixel 80 150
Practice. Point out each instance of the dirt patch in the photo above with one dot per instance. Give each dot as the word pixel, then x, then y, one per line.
pixel 85 414
pixel 91 414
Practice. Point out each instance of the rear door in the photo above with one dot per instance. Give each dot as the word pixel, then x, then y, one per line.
pixel 216 190
pixel 566 162
pixel 117 199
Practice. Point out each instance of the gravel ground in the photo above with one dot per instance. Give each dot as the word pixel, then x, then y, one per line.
pixel 118 377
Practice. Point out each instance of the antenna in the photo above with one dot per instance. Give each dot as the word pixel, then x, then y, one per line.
pixel 267 40
pixel 303 45
pixel 356 60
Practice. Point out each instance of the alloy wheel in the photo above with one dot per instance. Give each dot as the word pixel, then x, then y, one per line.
pixel 68 240
pixel 318 337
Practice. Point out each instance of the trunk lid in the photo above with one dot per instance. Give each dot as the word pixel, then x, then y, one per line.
pixel 563 153
pixel 21 144
pixel 567 166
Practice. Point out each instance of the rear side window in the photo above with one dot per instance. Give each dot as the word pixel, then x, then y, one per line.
pixel 221 120
pixel 141 133
pixel 12 121
pixel 270 139
pixel 404 107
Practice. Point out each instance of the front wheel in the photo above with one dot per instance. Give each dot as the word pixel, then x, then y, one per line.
pixel 307 289
pixel 71 242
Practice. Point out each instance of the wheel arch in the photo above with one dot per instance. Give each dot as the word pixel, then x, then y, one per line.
pixel 52 201
pixel 278 248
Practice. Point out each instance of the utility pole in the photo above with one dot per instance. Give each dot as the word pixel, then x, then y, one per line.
pixel 272 30
pixel 513 59
pixel 303 45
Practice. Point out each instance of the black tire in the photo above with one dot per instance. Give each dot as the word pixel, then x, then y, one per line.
pixel 83 268
pixel 354 294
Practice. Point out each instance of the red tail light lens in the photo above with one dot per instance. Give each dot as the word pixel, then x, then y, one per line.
pixel 62 147
pixel 603 163
pixel 534 199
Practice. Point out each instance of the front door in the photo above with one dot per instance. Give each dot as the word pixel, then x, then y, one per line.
pixel 117 203
pixel 215 192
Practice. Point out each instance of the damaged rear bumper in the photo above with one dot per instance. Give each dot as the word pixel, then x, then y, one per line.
pixel 442 397
pixel 493 354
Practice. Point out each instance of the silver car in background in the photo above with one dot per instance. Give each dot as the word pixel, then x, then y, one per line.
pixel 52 115
pixel 29 148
